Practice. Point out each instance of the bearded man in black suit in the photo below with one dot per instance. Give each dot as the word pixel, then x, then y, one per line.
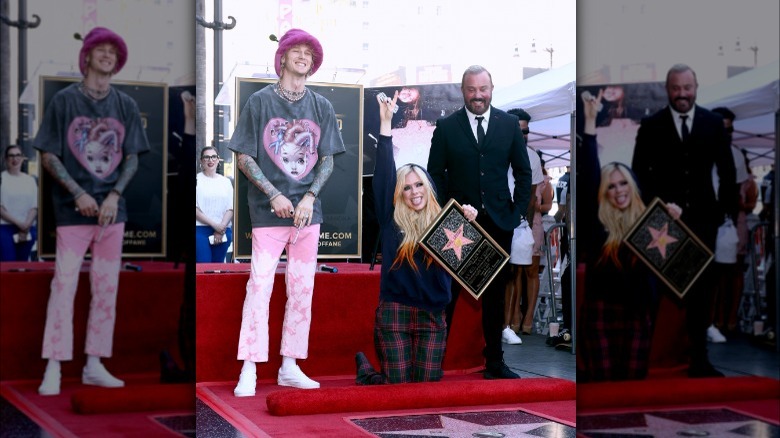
pixel 674 154
pixel 471 153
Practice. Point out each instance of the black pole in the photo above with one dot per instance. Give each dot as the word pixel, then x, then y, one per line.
pixel 218 26
pixel 219 134
pixel 24 122
pixel 775 225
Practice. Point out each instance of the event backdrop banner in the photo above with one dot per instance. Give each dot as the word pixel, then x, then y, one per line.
pixel 419 106
pixel 145 195
pixel 341 197
pixel 622 108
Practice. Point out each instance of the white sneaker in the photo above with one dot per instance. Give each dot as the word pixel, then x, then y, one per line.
pixel 508 336
pixel 715 336
pixel 294 377
pixel 50 384
pixel 247 383
pixel 98 375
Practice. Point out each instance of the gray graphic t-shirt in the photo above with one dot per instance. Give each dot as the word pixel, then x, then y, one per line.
pixel 91 139
pixel 287 141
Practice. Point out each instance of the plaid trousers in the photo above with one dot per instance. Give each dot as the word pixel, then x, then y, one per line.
pixel 409 342
pixel 615 342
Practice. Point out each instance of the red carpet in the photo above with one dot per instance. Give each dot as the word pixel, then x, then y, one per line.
pixel 147 318
pixel 733 406
pixel 342 323
pixel 55 413
pixel 136 398
pixel 252 417
pixel 725 420
pixel 418 396
pixel 675 392
pixel 474 423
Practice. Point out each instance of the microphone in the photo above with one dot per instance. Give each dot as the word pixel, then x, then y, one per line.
pixel 326 268
pixel 132 267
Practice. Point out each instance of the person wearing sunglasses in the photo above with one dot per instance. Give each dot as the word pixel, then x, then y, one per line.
pixel 213 210
pixel 18 208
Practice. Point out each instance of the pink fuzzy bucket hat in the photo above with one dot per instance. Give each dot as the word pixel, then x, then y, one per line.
pixel 293 37
pixel 100 35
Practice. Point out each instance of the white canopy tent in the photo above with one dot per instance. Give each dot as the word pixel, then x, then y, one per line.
pixel 549 98
pixel 754 96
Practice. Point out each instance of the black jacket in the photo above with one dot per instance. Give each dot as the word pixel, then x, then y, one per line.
pixel 461 170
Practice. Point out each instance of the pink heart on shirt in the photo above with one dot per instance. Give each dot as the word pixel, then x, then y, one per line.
pixel 292 146
pixel 97 144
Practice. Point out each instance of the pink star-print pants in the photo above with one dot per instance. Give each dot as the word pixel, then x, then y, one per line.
pixel 72 244
pixel 267 246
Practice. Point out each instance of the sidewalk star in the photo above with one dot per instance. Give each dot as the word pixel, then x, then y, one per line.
pixel 456 241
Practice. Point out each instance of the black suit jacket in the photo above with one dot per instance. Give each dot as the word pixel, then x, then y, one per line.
pixel 478 176
pixel 682 173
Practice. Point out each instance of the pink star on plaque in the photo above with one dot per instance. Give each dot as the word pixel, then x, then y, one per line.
pixel 661 239
pixel 456 240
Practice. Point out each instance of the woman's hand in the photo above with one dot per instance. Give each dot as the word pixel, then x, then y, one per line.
pixel 591 107
pixel 218 237
pixel 469 212
pixel 386 107
pixel 674 210
pixel 386 114
pixel 188 101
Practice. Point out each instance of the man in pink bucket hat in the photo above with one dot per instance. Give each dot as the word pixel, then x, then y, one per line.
pixel 89 139
pixel 285 140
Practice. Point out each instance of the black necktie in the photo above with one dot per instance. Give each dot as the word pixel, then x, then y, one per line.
pixel 685 132
pixel 480 131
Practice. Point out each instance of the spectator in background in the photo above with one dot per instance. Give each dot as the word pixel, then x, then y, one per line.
pixel 18 208
pixel 768 198
pixel 523 285
pixel 213 210
pixel 561 189
pixel 731 276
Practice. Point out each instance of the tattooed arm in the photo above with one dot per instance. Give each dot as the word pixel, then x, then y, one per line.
pixel 281 206
pixel 85 204
pixel 256 176
pixel 56 169
pixel 126 172
pixel 322 176
pixel 305 210
pixel 110 206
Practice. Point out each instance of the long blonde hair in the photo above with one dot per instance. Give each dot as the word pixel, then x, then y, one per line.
pixel 617 222
pixel 412 223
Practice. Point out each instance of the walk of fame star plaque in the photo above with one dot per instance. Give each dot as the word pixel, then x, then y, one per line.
pixel 464 249
pixel 668 248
